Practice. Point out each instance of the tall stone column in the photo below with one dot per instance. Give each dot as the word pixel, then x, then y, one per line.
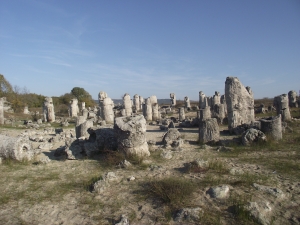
pixel 240 103
pixel 108 112
pixel 142 101
pixel 155 114
pixel 74 109
pixel 148 110
pixel 202 100
pixel 173 99
pixel 293 99
pixel 1 111
pixel 181 114
pixel 136 102
pixel 216 98
pixel 127 104
pixel 187 103
pixel 281 104
pixel 48 109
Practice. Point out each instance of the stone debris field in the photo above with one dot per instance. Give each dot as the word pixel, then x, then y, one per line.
pixel 225 159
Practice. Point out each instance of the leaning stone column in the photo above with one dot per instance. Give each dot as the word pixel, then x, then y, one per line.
pixel 181 114
pixel 17 148
pixel 131 135
pixel 1 111
pixel 209 131
pixel 272 126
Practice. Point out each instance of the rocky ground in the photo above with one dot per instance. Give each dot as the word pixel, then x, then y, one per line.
pixel 191 184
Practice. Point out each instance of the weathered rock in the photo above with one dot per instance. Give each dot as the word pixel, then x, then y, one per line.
pixel 270 190
pixel 26 111
pixel 73 150
pixel 166 154
pixel 219 112
pixel 188 215
pixel 253 135
pixel 205 113
pixel 17 148
pixel 261 211
pixel 272 126
pixel 142 101
pixel 173 99
pixel 187 103
pixel 240 103
pixel 108 113
pixel 219 191
pixel 155 114
pixel 123 221
pixel 202 100
pixel 136 102
pixel 131 135
pixel 172 138
pixel 293 99
pixel 147 110
pixel 73 108
pixel 216 98
pixel 127 104
pixel 209 131
pixel 82 125
pixel 181 114
pixel 48 110
pixel 281 104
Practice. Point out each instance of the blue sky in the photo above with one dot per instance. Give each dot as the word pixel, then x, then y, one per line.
pixel 150 47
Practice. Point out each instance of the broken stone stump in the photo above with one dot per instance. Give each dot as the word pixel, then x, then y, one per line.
pixel 82 125
pixel 131 135
pixel 272 126
pixel 17 148
pixel 209 131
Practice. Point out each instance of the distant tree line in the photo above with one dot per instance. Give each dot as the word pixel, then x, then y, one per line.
pixel 21 97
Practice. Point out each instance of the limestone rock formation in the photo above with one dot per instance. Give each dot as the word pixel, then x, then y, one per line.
pixel 17 148
pixel 272 126
pixel 147 110
pixel 181 114
pixel 202 100
pixel 106 107
pixel 48 110
pixel 209 130
pixel 155 112
pixel 172 138
pixel 136 102
pixel 131 135
pixel 219 191
pixel 240 103
pixel 216 98
pixel 173 99
pixel 187 103
pixel 82 126
pixel 127 104
pixel 73 108
pixel 293 99
pixel 281 104
pixel 253 135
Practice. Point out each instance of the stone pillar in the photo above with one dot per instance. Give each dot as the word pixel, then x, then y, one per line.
pixel 85 113
pixel 293 99
pixel 281 104
pixel 181 114
pixel 216 98
pixel 131 135
pixel 82 125
pixel 240 104
pixel 142 101
pixel 205 113
pixel 173 99
pixel 148 110
pixel 127 104
pixel 153 99
pixel 272 126
pixel 187 103
pixel 48 109
pixel 202 100
pixel 26 111
pixel 1 111
pixel 209 131
pixel 136 102
pixel 17 148
pixel 82 105
pixel 73 109
pixel 155 115
pixel 219 112
pixel 108 112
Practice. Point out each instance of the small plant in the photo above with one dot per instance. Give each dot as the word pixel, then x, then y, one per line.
pixel 172 191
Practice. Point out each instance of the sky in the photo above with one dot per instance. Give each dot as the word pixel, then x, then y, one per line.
pixel 152 47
